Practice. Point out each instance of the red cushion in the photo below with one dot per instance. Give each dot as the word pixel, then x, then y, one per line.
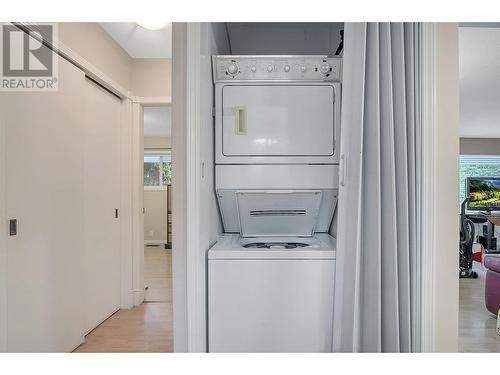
pixel 492 263
pixel 492 292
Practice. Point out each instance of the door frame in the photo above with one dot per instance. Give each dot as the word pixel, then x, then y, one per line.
pixel 440 149
pixel 156 151
pixel 137 183
pixel 432 323
pixel 426 309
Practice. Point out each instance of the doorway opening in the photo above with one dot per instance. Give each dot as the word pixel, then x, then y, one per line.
pixel 157 205
pixel 479 166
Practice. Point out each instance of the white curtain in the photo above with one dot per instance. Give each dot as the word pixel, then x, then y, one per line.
pixel 376 294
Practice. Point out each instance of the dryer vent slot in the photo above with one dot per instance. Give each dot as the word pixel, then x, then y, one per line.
pixel 277 212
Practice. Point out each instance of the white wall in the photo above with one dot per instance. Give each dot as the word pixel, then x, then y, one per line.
pixel 151 77
pixel 155 216
pixel 479 69
pixel 90 41
pixel 142 77
pixel 157 142
pixel 479 146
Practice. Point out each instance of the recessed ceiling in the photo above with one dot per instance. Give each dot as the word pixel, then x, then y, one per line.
pixel 141 43
pixel 157 122
pixel 479 67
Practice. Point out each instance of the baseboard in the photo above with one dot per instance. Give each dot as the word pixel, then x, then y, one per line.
pixel 82 341
pixel 127 300
pixel 139 296
pixel 155 242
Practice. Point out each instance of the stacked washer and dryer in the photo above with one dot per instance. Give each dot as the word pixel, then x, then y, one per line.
pixel 271 273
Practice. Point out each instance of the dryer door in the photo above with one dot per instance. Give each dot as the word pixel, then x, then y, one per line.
pixel 274 121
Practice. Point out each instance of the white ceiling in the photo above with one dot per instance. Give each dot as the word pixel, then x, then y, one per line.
pixel 157 122
pixel 479 67
pixel 141 43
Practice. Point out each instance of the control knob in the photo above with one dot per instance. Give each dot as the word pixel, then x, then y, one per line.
pixel 324 68
pixel 232 68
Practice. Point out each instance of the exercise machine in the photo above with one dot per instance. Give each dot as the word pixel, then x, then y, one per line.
pixel 467 232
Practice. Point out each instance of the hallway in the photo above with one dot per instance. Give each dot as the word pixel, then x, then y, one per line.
pixel 145 328
pixel 158 274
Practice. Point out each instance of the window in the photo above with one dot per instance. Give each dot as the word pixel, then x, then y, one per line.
pixel 477 166
pixel 157 170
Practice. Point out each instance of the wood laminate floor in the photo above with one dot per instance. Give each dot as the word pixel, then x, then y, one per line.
pixel 158 273
pixel 146 328
pixel 476 324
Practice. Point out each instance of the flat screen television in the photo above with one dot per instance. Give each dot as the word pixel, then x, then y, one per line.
pixel 483 193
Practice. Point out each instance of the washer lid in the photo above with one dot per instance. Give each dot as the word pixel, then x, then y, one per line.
pixel 278 212
pixel 232 247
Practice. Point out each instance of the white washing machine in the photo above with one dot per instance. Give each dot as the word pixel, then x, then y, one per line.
pixel 271 274
pixel 271 294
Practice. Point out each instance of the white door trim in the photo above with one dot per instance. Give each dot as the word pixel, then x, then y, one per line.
pixel 137 182
pixel 126 237
pixel 439 222
pixel 179 278
pixel 427 60
pixel 153 101
pixel 196 320
pixel 138 204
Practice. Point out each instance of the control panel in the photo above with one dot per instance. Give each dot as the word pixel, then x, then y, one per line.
pixel 270 68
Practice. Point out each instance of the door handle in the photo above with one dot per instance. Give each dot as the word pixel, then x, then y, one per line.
pixel 13 227
pixel 240 120
pixel 342 168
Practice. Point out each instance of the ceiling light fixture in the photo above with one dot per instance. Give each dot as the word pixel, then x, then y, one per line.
pixel 153 25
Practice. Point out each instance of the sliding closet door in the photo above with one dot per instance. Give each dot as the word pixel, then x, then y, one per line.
pixel 44 191
pixel 101 198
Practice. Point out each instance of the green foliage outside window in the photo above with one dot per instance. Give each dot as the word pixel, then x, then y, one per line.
pixel 157 170
pixel 167 173
pixel 151 174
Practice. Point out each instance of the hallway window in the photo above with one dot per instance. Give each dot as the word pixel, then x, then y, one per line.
pixel 157 170
pixel 477 166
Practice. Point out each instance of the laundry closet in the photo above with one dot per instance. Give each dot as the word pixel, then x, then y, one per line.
pixel 270 159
